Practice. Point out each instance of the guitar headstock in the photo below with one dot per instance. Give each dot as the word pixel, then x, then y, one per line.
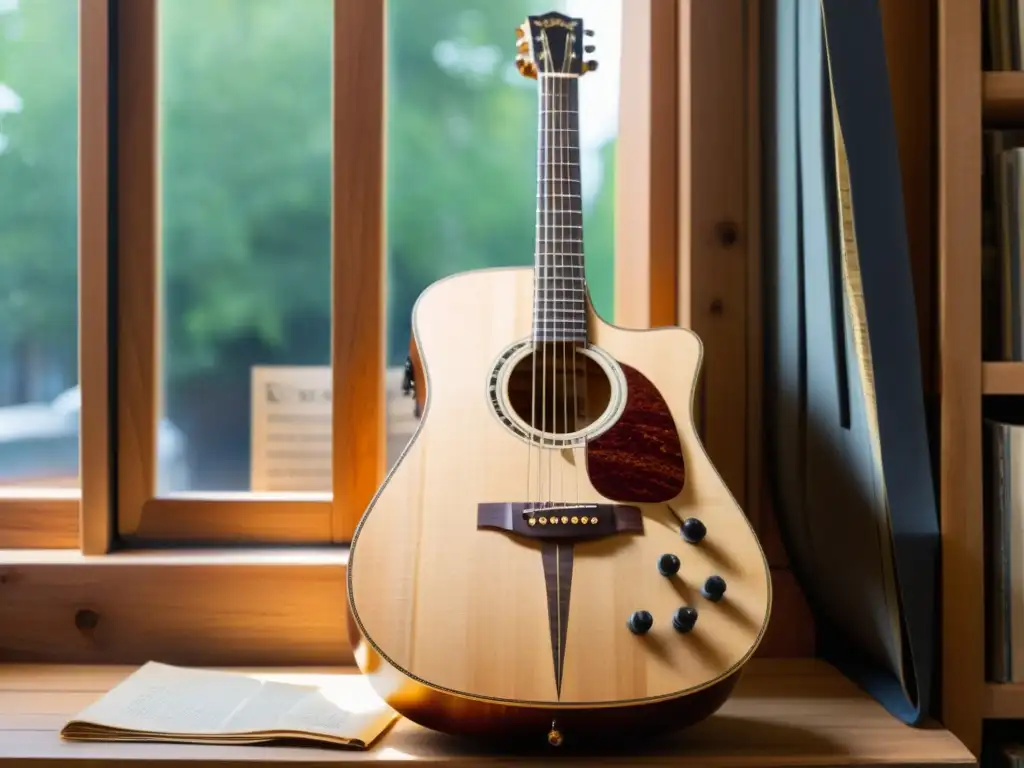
pixel 552 44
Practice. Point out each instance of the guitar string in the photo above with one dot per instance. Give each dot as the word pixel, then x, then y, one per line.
pixel 548 214
pixel 545 227
pixel 579 311
pixel 567 219
pixel 556 312
pixel 554 280
pixel 538 271
pixel 551 306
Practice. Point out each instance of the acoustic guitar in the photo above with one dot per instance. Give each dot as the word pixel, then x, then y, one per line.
pixel 554 554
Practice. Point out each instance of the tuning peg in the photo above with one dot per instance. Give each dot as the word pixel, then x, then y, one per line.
pixel 526 68
pixel 588 32
pixel 590 48
pixel 590 66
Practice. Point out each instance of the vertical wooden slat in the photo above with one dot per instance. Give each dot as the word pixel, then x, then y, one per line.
pixel 755 318
pixel 959 337
pixel 684 184
pixel 358 258
pixel 93 278
pixel 138 256
pixel 646 169
pixel 714 225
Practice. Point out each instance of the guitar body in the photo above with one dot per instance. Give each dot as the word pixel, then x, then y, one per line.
pixel 470 616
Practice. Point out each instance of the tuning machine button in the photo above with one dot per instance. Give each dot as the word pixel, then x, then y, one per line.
pixel 640 622
pixel 684 619
pixel 693 530
pixel 713 588
pixel 668 565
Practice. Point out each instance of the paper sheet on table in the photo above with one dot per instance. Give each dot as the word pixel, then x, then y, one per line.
pixel 159 702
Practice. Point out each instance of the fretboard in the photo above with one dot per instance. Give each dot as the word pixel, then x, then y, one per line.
pixel 559 304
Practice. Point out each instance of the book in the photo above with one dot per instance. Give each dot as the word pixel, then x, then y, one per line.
pixel 160 702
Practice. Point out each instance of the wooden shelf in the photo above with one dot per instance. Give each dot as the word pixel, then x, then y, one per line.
pixel 1004 701
pixel 1003 98
pixel 784 712
pixel 1002 378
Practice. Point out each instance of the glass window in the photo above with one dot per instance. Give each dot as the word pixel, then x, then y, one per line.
pixel 39 399
pixel 462 156
pixel 245 153
pixel 246 172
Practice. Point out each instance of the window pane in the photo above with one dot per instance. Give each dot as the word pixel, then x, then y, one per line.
pixel 245 121
pixel 462 156
pixel 39 400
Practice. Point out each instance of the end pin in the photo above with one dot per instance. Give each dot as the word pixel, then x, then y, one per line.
pixel 554 735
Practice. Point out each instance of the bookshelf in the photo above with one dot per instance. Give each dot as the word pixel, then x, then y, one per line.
pixel 969 100
pixel 1002 105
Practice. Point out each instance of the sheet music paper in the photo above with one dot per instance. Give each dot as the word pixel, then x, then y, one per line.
pixel 159 702
pixel 291 428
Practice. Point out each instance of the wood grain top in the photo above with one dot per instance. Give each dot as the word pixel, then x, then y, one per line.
pixel 798 712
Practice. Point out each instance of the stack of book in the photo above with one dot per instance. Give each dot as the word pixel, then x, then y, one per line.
pixel 1003 25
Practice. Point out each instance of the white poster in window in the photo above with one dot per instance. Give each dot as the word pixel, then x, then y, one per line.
pixel 291 428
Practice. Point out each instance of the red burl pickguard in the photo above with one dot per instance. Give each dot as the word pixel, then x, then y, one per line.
pixel 640 458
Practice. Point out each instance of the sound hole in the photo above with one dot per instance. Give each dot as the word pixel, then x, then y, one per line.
pixel 556 391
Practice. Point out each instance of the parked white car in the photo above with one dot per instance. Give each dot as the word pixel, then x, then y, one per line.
pixel 39 446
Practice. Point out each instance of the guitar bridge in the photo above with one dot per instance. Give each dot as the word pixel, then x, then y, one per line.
pixel 577 522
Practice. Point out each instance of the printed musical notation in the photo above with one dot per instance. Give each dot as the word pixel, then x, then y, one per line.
pixel 291 428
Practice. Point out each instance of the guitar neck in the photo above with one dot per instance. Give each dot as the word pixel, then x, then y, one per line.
pixel 560 279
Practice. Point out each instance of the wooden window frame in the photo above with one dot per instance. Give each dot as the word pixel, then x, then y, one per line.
pixel 74 518
pixel 357 264
pixel 79 583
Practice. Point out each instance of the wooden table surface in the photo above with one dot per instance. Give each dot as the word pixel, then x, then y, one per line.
pixel 798 712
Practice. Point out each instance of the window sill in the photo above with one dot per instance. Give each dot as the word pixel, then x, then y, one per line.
pixel 279 606
pixel 784 712
pixel 212 556
pixel 269 606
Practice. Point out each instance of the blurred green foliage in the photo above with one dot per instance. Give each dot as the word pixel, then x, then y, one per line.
pixel 246 119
